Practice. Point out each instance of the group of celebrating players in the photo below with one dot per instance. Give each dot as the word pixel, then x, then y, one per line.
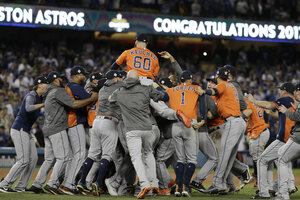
pixel 134 125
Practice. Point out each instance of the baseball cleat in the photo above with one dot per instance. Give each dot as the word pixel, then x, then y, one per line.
pixel 7 190
pixel 36 190
pixel 293 190
pixel 177 191
pixel 52 190
pixel 111 190
pixel 164 192
pixel 182 117
pixel 185 191
pixel 66 190
pixel 197 186
pixel 83 189
pixel 143 192
pixel 95 190
pixel 214 190
pixel 155 191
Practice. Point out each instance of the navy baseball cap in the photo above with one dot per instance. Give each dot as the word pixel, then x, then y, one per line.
pixel 186 75
pixel 96 76
pixel 122 74
pixel 230 70
pixel 40 80
pixel 52 76
pixel 78 70
pixel 166 81
pixel 212 79
pixel 100 84
pixel 112 74
pixel 222 73
pixel 142 37
pixel 289 87
pixel 297 87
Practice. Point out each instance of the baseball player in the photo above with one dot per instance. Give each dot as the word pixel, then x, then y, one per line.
pixel 214 123
pixel 234 127
pixel 207 147
pixel 183 97
pixel 290 150
pixel 23 141
pixel 271 152
pixel 76 132
pixel 239 169
pixel 104 134
pixel 134 100
pixel 140 59
pixel 258 132
pixel 92 81
pixel 55 135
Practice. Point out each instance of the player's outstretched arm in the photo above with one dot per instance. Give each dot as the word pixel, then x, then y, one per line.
pixel 174 64
pixel 84 102
pixel 263 104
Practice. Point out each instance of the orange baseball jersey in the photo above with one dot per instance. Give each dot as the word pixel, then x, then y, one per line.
pixel 227 100
pixel 184 97
pixel 256 120
pixel 91 109
pixel 214 122
pixel 142 60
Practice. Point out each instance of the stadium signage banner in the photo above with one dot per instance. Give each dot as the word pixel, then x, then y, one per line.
pixel 79 19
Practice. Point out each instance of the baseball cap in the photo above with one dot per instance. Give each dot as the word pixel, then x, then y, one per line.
pixel 52 76
pixel 186 75
pixel 39 80
pixel 231 70
pixel 78 70
pixel 100 84
pixel 222 73
pixel 297 87
pixel 289 87
pixel 122 74
pixel 166 81
pixel 212 78
pixel 112 74
pixel 96 76
pixel 142 37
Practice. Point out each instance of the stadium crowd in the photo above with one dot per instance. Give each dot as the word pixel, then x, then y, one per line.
pixel 278 10
pixel 259 70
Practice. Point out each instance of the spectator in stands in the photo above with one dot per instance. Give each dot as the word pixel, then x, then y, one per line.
pixel 196 8
pixel 5 119
pixel 3 137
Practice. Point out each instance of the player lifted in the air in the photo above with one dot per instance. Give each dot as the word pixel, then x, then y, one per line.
pixel 141 60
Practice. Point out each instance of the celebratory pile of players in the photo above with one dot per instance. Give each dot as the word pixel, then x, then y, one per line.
pixel 136 126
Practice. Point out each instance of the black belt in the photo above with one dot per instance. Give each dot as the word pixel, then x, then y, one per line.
pixel 146 77
pixel 225 120
pixel 265 129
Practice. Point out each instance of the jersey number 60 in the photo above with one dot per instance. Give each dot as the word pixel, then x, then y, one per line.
pixel 138 61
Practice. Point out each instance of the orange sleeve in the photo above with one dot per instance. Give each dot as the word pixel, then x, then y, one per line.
pixel 221 87
pixel 122 58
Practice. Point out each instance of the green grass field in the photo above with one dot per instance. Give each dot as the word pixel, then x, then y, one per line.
pixel 246 193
